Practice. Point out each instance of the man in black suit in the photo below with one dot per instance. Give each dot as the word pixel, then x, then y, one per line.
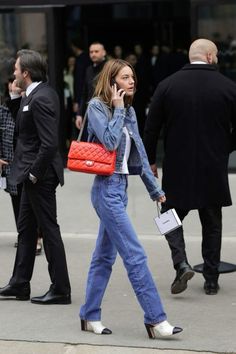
pixel 197 109
pixel 38 165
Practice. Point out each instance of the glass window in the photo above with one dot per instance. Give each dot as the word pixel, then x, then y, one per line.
pixel 133 11
pixel 20 30
pixel 217 22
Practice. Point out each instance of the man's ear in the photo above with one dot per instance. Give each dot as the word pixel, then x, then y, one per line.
pixel 25 74
pixel 209 58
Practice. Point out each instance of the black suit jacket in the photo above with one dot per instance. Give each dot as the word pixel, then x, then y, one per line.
pixel 37 136
pixel 197 109
pixel 81 63
pixel 89 85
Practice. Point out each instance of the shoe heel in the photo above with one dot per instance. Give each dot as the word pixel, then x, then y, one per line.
pixel 150 331
pixel 23 298
pixel 83 325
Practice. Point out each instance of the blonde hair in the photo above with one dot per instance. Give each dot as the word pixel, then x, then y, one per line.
pixel 104 81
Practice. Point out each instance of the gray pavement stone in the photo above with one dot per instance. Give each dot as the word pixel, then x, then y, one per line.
pixel 56 348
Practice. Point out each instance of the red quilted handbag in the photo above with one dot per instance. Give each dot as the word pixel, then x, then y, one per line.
pixel 91 158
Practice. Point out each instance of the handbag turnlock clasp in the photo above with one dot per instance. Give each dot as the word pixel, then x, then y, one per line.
pixel 89 163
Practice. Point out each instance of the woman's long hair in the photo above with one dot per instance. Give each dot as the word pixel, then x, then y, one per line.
pixel 105 78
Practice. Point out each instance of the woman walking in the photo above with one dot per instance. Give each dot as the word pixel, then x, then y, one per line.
pixel 112 122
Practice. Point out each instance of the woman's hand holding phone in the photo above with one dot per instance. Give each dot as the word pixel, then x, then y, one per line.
pixel 117 96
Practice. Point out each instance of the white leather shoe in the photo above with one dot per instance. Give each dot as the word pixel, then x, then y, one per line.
pixel 95 327
pixel 162 329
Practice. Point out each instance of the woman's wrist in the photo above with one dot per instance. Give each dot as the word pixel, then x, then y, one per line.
pixel 119 106
pixel 120 109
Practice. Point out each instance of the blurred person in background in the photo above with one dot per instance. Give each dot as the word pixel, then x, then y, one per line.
pixel 8 143
pixel 97 55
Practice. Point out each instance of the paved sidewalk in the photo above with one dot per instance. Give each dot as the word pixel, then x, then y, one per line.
pixel 55 348
pixel 209 321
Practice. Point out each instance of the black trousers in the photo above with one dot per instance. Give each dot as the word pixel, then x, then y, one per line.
pixel 15 200
pixel 211 221
pixel 38 208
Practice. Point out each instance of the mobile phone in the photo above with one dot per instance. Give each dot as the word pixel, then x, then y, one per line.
pixel 113 82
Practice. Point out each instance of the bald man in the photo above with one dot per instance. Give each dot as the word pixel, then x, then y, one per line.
pixel 196 107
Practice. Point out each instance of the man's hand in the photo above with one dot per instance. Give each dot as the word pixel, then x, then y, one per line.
pixel 154 170
pixel 75 107
pixel 2 162
pixel 78 122
pixel 14 89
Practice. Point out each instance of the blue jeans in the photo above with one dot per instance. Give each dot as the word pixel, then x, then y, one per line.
pixel 116 233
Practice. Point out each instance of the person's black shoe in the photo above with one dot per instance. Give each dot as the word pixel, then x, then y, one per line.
pixel 184 273
pixel 211 287
pixel 51 298
pixel 19 292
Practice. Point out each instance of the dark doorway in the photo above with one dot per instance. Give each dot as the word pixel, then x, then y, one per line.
pixel 126 24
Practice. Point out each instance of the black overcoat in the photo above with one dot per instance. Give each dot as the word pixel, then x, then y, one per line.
pixel 197 109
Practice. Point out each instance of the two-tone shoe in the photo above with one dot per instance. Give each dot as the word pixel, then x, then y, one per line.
pixel 95 327
pixel 162 329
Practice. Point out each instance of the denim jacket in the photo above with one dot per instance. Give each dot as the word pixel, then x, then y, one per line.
pixel 106 126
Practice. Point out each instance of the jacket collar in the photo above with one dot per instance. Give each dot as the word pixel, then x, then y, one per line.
pixel 27 99
pixel 31 87
pixel 200 67
pixel 38 87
